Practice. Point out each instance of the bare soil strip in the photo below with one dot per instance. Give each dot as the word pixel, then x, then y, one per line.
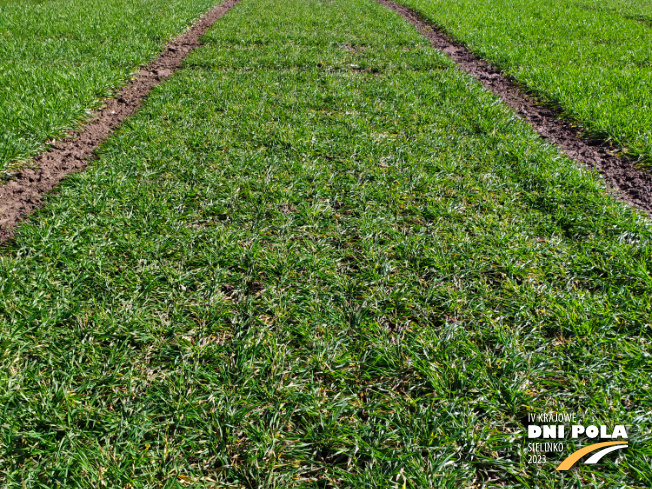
pixel 23 193
pixel 630 183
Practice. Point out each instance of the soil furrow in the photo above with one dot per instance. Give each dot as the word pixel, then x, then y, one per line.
pixel 23 193
pixel 630 183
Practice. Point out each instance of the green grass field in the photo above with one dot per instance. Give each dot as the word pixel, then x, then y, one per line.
pixel 60 58
pixel 590 58
pixel 321 257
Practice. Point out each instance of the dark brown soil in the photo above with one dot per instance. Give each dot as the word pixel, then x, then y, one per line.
pixel 630 183
pixel 23 193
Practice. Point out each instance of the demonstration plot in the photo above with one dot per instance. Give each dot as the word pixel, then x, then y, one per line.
pixel 320 256
pixel 590 59
pixel 59 59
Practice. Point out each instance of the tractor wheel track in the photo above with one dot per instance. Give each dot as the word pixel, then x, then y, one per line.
pixel 629 182
pixel 24 192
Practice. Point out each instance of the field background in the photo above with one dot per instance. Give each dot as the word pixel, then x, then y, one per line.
pixel 321 257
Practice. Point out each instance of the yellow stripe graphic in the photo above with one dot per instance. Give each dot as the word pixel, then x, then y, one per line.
pixel 575 456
